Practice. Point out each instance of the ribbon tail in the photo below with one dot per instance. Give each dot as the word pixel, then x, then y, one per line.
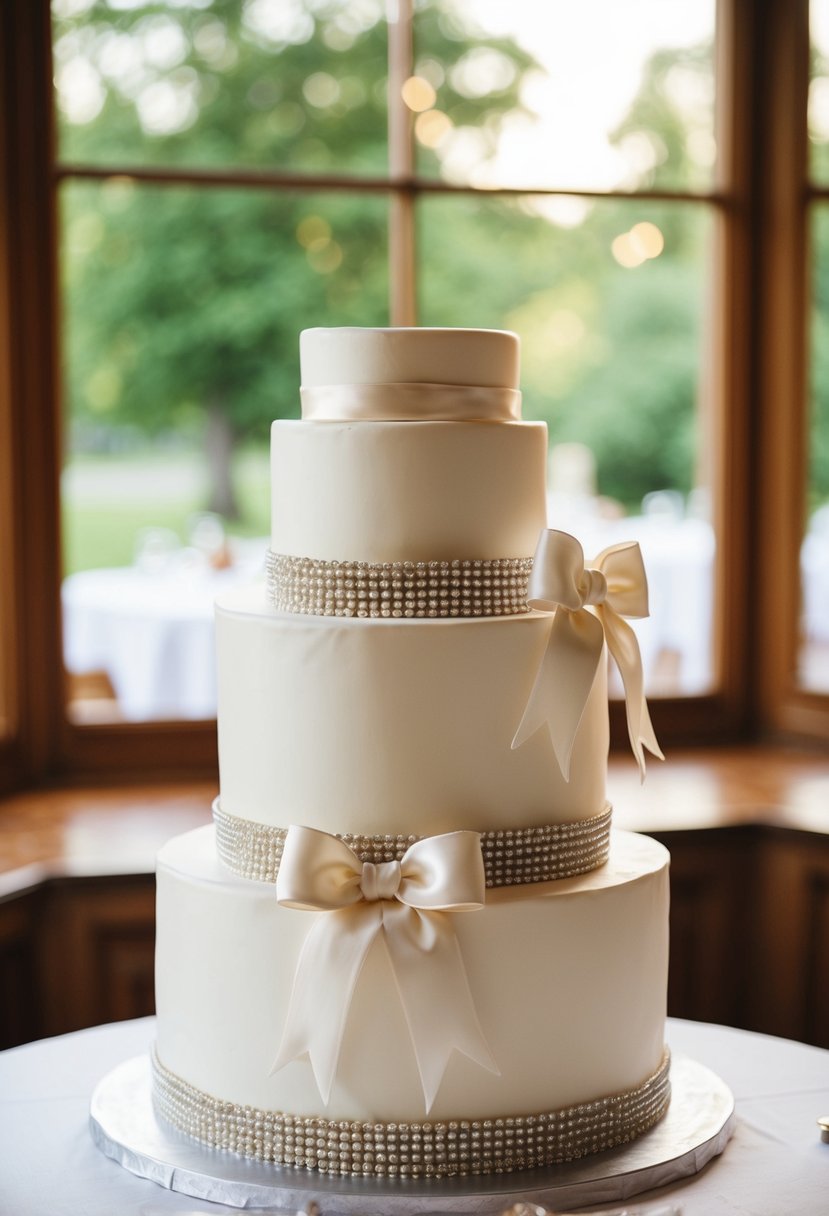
pixel 428 968
pixel 329 965
pixel 563 683
pixel 623 645
pixel 648 735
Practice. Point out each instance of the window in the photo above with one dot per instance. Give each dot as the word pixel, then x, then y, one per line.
pixel 813 656
pixel 201 202
pixel 788 581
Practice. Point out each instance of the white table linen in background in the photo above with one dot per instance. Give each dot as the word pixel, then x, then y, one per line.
pixel 775 1164
pixel 152 633
pixel 679 563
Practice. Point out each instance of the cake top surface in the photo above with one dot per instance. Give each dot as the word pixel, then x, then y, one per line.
pixel 480 357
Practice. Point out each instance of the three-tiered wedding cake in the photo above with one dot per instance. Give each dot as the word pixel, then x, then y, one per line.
pixel 409 945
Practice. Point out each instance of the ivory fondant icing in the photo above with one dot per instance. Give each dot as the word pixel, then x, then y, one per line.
pixel 568 979
pixel 393 726
pixel 407 491
pixel 485 357
pixel 387 489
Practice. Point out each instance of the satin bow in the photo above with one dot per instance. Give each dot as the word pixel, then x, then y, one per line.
pixel 407 902
pixel 589 604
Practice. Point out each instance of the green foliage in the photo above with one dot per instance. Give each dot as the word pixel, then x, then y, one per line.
pixel 116 497
pixel 237 84
pixel 182 299
pixel 193 298
pixel 660 123
pixel 610 354
pixel 640 401
pixel 819 432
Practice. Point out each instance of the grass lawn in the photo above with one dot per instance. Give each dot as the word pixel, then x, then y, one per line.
pixel 107 502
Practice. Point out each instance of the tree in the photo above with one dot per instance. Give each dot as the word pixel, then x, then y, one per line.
pixel 610 354
pixel 184 304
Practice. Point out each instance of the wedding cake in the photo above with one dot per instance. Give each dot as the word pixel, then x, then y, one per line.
pixel 410 945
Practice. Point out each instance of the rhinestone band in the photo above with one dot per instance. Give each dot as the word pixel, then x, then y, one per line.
pixel 475 587
pixel 511 855
pixel 412 1150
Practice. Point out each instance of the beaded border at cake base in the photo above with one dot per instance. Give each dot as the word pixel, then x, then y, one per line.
pixel 440 1149
pixel 696 1128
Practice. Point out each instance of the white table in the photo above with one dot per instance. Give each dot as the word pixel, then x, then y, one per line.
pixel 152 632
pixel 775 1164
pixel 679 556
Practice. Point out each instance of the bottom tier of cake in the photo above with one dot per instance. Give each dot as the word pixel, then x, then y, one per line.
pixel 568 980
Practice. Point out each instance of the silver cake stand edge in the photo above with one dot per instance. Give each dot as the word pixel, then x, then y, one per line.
pixel 124 1126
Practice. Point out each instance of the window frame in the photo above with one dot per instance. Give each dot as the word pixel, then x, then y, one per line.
pixel 784 262
pixel 757 422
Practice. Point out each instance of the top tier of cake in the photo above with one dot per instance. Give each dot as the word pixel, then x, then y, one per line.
pixel 411 448
pixel 484 357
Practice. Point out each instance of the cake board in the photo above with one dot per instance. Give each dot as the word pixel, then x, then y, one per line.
pixel 696 1128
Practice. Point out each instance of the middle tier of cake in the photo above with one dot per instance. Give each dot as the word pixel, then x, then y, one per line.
pixel 393 726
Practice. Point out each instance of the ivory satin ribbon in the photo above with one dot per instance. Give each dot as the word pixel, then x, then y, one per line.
pixel 589 604
pixel 410 402
pixel 407 903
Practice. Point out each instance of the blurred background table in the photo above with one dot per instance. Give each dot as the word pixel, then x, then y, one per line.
pixel 149 632
pixel 775 1163
pixel 139 641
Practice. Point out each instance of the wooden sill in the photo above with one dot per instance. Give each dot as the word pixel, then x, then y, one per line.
pixel 82 833
pixel 698 788
pixel 46 834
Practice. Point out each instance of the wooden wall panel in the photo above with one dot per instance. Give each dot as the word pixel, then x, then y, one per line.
pixel 19 1006
pixel 96 951
pixel 788 985
pixel 816 995
pixel 711 877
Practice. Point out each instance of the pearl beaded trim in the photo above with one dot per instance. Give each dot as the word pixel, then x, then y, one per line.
pixel 462 588
pixel 511 855
pixel 412 1150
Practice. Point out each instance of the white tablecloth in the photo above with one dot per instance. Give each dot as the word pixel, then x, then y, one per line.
pixel 151 632
pixel 775 1164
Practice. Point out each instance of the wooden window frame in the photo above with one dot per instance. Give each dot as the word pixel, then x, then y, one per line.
pixel 757 386
pixel 783 370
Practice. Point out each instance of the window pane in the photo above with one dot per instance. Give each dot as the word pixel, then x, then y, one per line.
pixel 296 84
pixel 609 301
pixel 595 95
pixel 819 91
pixel 8 641
pixel 183 310
pixel 814 553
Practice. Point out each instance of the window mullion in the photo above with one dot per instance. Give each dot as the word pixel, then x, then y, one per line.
pixel 782 381
pixel 32 417
pixel 402 293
